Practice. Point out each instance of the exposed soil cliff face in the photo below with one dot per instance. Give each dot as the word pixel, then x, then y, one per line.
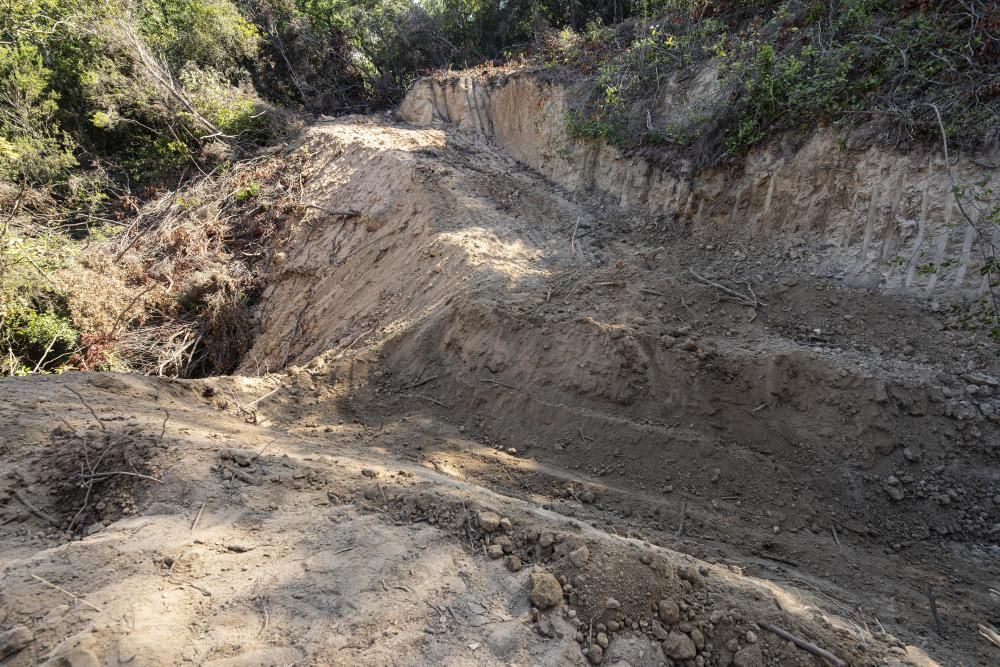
pixel 871 215
pixel 699 438
pixel 470 288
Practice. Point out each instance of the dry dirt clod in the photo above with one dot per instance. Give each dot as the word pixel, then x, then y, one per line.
pixel 679 646
pixel 489 521
pixel 546 590
pixel 579 557
pixel 514 563
pixel 670 613
pixel 750 656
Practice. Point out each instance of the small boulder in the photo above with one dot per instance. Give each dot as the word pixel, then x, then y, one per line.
pixel 679 646
pixel 578 557
pixel 670 613
pixel 489 521
pixel 596 654
pixel 495 551
pixel 748 657
pixel 545 589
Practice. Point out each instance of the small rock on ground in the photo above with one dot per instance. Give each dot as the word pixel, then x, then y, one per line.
pixel 546 590
pixel 670 613
pixel 489 521
pixel 748 657
pixel 679 646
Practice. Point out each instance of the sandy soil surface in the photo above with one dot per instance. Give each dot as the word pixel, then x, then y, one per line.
pixel 490 421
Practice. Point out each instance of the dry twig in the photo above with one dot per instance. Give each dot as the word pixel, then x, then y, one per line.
pixel 751 301
pixel 63 590
pixel 989 634
pixel 427 398
pixel 804 645
pixel 502 384
pixel 197 518
pixel 34 510
pixel 420 383
pixel 87 405
pixel 112 473
pixel 938 626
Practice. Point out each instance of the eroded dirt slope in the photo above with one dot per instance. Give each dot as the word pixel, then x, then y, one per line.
pixel 700 438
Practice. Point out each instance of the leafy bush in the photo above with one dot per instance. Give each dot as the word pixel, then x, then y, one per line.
pixel 212 34
pixel 35 339
pixel 32 148
pixel 796 64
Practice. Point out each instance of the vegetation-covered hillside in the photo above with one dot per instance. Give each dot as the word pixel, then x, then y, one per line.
pixel 135 199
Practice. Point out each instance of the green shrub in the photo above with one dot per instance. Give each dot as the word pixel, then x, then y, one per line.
pixel 212 34
pixel 798 64
pixel 42 339
pixel 32 148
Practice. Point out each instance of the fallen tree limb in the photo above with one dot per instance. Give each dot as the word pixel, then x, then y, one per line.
pixel 722 288
pixel 989 634
pixel 421 383
pixel 804 645
pixel 345 213
pixel 34 510
pixel 112 473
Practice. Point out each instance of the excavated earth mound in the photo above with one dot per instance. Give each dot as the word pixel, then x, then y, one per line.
pixel 489 418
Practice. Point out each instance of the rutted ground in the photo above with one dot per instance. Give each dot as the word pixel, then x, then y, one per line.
pixel 458 335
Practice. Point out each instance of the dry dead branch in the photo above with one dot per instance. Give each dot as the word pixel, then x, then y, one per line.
pixel 63 590
pixel 804 645
pixel 34 510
